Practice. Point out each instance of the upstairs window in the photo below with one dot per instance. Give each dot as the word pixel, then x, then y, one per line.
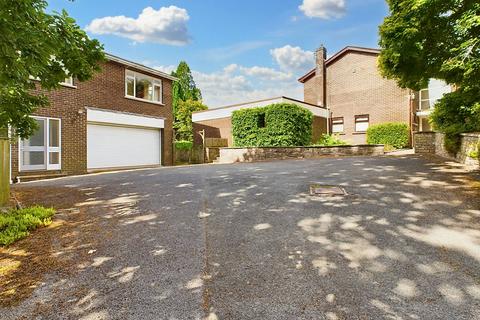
pixel 361 123
pixel 435 91
pixel 67 82
pixel 143 87
pixel 337 125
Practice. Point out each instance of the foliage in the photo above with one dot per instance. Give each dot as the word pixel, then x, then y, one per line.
pixel 276 125
pixel 183 124
pixel 394 135
pixel 38 45
pixel 327 140
pixel 17 224
pixel 454 114
pixel 184 88
pixel 437 39
pixel 183 145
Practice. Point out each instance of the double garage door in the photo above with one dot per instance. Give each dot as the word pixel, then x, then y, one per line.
pixel 124 141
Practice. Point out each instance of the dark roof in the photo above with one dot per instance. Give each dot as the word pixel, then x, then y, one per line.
pixel 139 66
pixel 337 55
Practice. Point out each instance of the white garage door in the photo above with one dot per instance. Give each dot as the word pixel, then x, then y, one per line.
pixel 111 146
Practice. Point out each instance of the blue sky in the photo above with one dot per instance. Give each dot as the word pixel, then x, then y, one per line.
pixel 239 50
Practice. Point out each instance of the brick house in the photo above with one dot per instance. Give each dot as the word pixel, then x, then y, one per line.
pixel 357 96
pixel 217 123
pixel 121 118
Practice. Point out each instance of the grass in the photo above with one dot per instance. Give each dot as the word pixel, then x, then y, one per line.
pixel 17 224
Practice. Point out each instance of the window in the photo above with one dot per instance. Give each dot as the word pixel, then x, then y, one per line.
pixel 361 123
pixel 429 96
pixel 68 81
pixel 42 151
pixel 337 125
pixel 139 86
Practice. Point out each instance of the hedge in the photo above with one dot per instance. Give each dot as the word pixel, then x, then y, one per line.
pixel 275 125
pixel 183 145
pixel 395 135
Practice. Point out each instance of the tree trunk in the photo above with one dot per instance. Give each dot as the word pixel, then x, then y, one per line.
pixel 4 167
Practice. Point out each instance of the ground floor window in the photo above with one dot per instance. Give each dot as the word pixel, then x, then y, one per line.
pixel 42 151
pixel 361 123
pixel 425 124
pixel 337 125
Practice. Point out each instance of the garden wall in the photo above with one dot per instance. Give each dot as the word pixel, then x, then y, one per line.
pixel 433 143
pixel 253 154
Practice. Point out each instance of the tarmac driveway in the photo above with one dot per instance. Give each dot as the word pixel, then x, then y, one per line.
pixel 248 241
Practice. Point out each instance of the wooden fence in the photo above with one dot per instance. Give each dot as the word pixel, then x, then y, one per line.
pixel 4 171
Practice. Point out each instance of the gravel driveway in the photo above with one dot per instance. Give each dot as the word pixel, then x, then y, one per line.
pixel 247 241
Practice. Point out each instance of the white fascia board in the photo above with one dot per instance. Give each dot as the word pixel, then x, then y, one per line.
pixel 317 111
pixel 227 112
pixel 122 118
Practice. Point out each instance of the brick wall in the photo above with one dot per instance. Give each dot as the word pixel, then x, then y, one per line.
pixel 107 91
pixel 354 86
pixel 222 128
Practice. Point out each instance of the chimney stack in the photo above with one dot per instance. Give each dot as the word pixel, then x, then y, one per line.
pixel 321 75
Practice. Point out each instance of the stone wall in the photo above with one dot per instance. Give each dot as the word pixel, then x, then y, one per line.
pixel 232 155
pixel 433 143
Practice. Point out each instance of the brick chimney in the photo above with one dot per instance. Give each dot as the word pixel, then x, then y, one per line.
pixel 321 76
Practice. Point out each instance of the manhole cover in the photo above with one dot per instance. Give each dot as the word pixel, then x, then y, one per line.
pixel 326 190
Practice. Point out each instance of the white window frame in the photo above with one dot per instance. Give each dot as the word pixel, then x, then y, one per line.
pixel 336 122
pixel 68 82
pixel 46 148
pixel 360 119
pixel 129 74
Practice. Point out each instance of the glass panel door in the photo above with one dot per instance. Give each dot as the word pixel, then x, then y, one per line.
pixel 54 144
pixel 32 150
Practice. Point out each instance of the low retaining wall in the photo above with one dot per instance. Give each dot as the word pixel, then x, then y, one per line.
pixel 231 155
pixel 433 143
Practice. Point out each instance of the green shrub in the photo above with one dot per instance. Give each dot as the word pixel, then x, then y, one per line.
pixel 183 145
pixel 276 125
pixel 330 140
pixel 17 224
pixel 394 135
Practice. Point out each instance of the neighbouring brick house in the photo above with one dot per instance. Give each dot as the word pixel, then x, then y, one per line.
pixel 217 123
pixel 121 118
pixel 351 87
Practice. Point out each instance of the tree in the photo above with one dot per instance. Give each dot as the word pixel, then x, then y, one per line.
pixel 185 88
pixel 424 39
pixel 183 124
pixel 186 100
pixel 38 50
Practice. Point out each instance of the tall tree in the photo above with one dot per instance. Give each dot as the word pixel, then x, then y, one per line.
pixel 37 51
pixel 424 39
pixel 183 124
pixel 186 99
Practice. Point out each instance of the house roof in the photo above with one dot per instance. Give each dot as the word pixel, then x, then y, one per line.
pixel 225 112
pixel 139 66
pixel 336 56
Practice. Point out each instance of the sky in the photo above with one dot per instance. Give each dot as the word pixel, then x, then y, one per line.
pixel 239 51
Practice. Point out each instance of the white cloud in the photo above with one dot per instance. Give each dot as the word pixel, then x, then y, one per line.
pixel 293 59
pixel 324 9
pixel 167 25
pixel 166 69
pixel 236 84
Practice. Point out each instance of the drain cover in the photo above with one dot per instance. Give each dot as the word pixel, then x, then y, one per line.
pixel 326 190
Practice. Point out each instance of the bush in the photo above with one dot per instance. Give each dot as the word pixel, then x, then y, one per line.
pixel 330 140
pixel 17 224
pixel 276 125
pixel 183 145
pixel 395 135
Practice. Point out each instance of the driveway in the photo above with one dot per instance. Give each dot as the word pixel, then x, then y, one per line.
pixel 248 241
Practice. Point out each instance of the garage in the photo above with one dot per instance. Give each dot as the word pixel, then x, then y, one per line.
pixel 119 140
